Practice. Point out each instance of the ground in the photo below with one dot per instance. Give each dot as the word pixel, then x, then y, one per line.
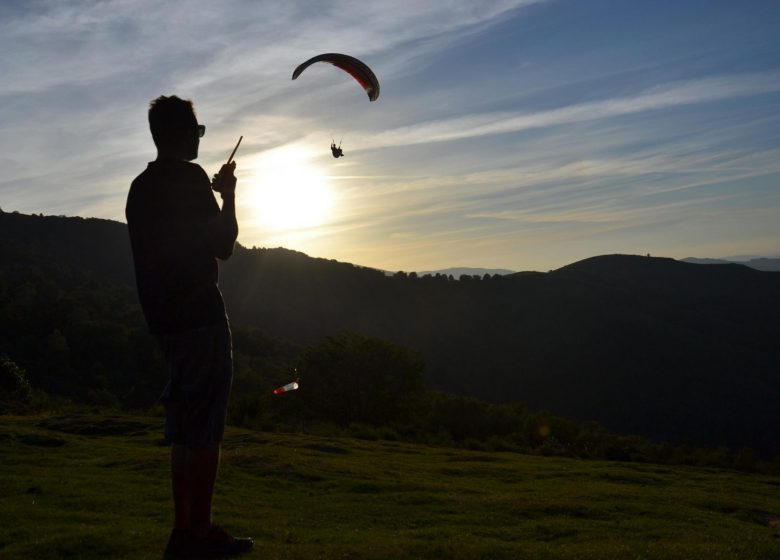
pixel 92 486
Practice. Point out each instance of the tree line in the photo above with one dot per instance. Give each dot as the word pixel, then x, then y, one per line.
pixel 66 337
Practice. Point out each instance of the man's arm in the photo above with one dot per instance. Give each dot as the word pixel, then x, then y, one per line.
pixel 223 228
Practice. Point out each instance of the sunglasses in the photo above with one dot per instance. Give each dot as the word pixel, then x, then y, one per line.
pixel 201 130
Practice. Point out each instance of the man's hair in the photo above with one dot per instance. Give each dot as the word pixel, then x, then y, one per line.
pixel 170 120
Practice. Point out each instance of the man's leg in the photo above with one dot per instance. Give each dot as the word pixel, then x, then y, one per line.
pixel 182 485
pixel 203 465
pixel 179 542
pixel 206 372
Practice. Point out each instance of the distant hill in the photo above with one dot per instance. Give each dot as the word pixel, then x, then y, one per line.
pixel 654 346
pixel 769 265
pixel 458 271
pixel 85 244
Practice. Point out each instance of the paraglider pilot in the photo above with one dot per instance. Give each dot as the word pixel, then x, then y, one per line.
pixel 337 152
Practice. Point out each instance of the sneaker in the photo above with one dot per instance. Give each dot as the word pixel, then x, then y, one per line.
pixel 179 545
pixel 218 543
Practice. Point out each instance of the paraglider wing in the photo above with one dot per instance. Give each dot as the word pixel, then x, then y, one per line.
pixel 355 68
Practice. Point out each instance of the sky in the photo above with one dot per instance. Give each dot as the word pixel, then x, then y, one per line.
pixel 515 134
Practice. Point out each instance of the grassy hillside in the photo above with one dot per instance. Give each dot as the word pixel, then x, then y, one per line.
pixel 78 486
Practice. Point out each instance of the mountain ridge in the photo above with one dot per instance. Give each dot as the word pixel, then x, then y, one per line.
pixel 758 263
pixel 646 345
pixel 457 271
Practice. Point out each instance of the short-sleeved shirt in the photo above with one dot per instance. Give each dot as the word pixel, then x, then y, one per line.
pixel 168 210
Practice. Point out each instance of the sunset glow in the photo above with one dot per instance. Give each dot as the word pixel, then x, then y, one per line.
pixel 286 192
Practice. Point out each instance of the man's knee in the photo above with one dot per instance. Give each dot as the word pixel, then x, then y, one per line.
pixel 204 451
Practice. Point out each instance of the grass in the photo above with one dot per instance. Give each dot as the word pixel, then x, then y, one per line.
pixel 82 486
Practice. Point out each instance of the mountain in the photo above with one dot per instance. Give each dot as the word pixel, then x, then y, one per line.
pixel 654 346
pixel 695 260
pixel 457 272
pixel 91 245
pixel 759 263
pixel 768 265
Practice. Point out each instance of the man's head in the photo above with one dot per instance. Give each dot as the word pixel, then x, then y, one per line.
pixel 174 127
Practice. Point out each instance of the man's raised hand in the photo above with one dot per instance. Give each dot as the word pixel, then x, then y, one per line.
pixel 224 182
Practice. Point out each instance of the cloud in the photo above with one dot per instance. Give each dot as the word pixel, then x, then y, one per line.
pixel 691 92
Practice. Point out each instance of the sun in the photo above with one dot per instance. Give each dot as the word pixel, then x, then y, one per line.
pixel 287 191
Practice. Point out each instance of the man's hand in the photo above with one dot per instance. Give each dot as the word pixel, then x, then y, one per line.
pixel 224 182
pixel 223 228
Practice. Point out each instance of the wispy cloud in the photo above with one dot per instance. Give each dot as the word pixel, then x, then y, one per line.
pixel 77 77
pixel 657 98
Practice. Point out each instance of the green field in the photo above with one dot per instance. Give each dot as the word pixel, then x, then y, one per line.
pixel 88 486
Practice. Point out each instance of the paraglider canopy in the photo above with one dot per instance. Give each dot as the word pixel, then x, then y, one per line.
pixel 357 69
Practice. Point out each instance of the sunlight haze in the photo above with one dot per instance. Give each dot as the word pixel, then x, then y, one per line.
pixel 284 192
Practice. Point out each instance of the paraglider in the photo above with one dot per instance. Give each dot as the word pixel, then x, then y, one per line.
pixel 337 152
pixel 354 67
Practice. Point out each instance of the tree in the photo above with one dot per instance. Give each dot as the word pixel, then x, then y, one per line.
pixel 14 387
pixel 459 416
pixel 355 378
pixel 745 460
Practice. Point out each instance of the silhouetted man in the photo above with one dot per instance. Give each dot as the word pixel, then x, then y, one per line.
pixel 177 232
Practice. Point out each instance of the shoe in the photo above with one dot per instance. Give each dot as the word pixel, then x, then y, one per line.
pixel 218 543
pixel 179 545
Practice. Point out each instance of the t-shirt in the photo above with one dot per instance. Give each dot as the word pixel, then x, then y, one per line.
pixel 168 208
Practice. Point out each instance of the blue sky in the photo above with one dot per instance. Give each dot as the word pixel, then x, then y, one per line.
pixel 508 134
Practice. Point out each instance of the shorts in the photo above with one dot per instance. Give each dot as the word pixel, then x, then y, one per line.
pixel 200 363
